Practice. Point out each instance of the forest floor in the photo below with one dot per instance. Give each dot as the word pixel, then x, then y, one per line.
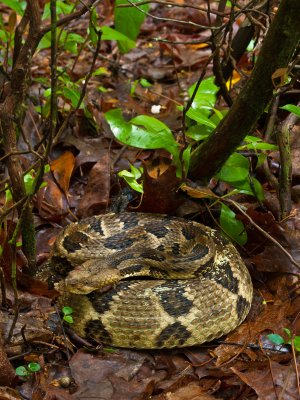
pixel 83 181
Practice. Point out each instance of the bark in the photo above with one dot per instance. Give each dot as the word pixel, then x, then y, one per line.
pixel 277 50
pixel 11 115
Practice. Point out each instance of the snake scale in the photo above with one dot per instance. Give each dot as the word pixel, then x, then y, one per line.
pixel 173 282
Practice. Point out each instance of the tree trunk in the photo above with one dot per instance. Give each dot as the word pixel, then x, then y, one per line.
pixel 277 50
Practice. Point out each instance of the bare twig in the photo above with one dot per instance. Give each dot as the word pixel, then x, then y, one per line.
pixel 169 3
pixel 83 91
pixel 3 289
pixel 189 23
pixel 295 364
pixel 289 256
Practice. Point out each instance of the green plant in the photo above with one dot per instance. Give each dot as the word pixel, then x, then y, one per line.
pixel 292 108
pixel 142 81
pixel 291 339
pixel 17 5
pixel 30 182
pixel 132 177
pixel 202 118
pixel 128 21
pixel 25 371
pixel 125 35
pixel 67 314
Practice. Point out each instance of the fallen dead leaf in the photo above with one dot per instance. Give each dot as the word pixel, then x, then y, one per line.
pixel 273 382
pixel 62 169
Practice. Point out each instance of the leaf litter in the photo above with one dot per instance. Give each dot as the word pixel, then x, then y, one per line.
pixel 243 365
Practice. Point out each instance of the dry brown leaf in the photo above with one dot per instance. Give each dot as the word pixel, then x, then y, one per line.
pixel 97 191
pixel 62 169
pixel 198 192
pixel 272 318
pixel 7 393
pixel 274 382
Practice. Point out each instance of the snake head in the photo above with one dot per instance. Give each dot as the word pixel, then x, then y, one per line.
pixel 90 276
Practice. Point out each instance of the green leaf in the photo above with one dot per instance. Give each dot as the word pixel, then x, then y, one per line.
pixel 145 83
pixel 206 95
pixel 232 227
pixel 292 108
pixel 93 27
pixel 72 95
pixel 250 186
pixel 297 343
pixel 34 367
pixel 67 310
pixel 110 350
pixel 275 338
pixel 8 195
pixel 288 332
pixel 68 319
pixel 156 134
pixel 29 180
pixel 236 168
pixel 61 8
pixel 101 71
pixel 3 35
pixel 71 47
pixel 128 21
pixel 112 34
pixel 259 146
pixel 198 132
pixel 133 87
pixel 74 37
pixel 255 143
pixel 45 42
pixel 200 117
pixel 152 124
pixel 22 371
pixel 132 177
pixel 261 158
pixel 16 5
pixel 186 157
pixel 218 115
pixel 144 132
pixel 71 42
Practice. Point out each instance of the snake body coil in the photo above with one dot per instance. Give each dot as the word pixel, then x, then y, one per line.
pixel 175 283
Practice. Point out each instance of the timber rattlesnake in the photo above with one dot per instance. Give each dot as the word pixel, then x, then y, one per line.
pixel 212 298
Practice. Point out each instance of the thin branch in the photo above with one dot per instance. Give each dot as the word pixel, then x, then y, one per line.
pixel 289 256
pixel 83 91
pixel 71 17
pixel 189 23
pixel 169 3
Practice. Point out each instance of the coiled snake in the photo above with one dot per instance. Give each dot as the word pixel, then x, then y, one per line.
pixel 175 283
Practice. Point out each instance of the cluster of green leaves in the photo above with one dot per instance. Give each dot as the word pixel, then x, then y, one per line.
pixel 291 340
pixel 7 30
pixel 143 131
pixel 132 178
pixel 68 89
pixel 147 132
pixel 30 180
pixel 17 5
pixel 67 314
pixel 25 371
pixel 127 26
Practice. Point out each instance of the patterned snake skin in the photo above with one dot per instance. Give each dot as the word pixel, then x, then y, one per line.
pixel 173 282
